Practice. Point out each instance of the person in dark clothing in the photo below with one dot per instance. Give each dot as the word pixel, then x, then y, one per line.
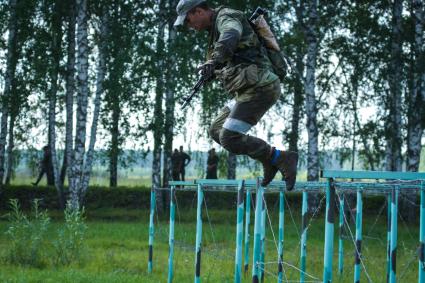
pixel 212 164
pixel 184 161
pixel 176 164
pixel 46 167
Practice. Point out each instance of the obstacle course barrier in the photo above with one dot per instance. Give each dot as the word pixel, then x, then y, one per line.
pixel 392 182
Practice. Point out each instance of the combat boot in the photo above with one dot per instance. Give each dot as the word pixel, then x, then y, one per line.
pixel 269 171
pixel 286 162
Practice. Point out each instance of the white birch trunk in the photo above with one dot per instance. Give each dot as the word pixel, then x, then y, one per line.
pixel 310 86
pixel 415 102
pixel 394 123
pixel 158 111
pixel 101 73
pixel 169 102
pixel 56 52
pixel 70 90
pixel 8 79
pixel 10 146
pixel 82 97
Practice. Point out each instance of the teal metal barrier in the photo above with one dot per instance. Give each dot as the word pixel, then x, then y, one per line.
pixel 303 252
pixel 421 255
pixel 392 183
pixel 281 235
pixel 263 240
pixel 171 235
pixel 239 232
pixel 151 231
pixel 257 233
pixel 358 246
pixel 392 217
pixel 341 235
pixel 198 235
pixel 247 221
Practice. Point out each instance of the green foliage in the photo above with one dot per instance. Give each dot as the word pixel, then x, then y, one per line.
pixel 118 248
pixel 70 246
pixel 31 244
pixel 26 235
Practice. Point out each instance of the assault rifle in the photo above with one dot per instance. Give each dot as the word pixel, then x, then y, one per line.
pixel 195 89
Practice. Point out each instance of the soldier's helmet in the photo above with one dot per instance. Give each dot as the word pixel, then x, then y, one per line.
pixel 183 7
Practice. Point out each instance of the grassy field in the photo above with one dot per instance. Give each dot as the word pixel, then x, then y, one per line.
pixel 117 241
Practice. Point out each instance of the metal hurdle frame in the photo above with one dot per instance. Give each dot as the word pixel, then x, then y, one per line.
pixel 331 175
pixel 239 186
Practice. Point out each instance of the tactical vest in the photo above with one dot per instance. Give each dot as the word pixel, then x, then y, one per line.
pixel 249 49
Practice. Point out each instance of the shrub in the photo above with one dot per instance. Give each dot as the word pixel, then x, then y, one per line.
pixel 69 247
pixel 26 235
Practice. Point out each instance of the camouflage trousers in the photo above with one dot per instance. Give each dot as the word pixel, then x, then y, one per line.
pixel 229 128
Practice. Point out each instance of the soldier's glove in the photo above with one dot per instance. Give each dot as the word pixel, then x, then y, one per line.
pixel 206 70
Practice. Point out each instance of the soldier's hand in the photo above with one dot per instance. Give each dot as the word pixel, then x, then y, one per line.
pixel 206 70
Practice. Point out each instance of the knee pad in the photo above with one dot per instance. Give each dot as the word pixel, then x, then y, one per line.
pixel 231 141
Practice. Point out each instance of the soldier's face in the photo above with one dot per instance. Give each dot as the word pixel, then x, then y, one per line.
pixel 197 20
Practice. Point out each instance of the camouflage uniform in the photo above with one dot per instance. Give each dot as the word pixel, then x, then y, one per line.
pixel 243 66
pixel 246 74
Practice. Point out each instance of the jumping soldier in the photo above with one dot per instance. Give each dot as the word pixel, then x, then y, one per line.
pixel 237 58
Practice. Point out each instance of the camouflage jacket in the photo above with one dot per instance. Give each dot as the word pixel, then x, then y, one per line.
pixel 235 48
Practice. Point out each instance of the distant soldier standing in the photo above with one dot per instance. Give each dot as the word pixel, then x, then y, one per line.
pixel 175 162
pixel 212 164
pixel 236 57
pixel 184 161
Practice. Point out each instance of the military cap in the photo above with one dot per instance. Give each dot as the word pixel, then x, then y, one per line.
pixel 183 7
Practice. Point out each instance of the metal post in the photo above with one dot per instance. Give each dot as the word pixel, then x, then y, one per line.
pixel 171 235
pixel 263 239
pixel 329 231
pixel 198 235
pixel 151 231
pixel 389 201
pixel 303 253
pixel 247 220
pixel 239 233
pixel 394 211
pixel 281 227
pixel 358 251
pixel 341 234
pixel 422 236
pixel 257 233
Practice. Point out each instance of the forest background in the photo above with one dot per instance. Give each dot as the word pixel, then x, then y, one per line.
pixel 102 81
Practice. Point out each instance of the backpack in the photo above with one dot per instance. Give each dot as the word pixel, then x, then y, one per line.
pixel 268 40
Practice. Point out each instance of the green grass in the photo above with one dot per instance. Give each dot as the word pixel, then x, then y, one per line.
pixel 117 241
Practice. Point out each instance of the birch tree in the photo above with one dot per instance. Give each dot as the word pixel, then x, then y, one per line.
pixel 158 120
pixel 21 82
pixel 415 101
pixel 76 170
pixel 70 89
pixel 169 122
pixel 101 74
pixel 393 102
pixel 310 32
pixel 56 52
pixel 11 61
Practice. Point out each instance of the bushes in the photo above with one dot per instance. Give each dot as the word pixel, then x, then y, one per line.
pixel 29 245
pixel 139 198
pixel 26 235
pixel 69 247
